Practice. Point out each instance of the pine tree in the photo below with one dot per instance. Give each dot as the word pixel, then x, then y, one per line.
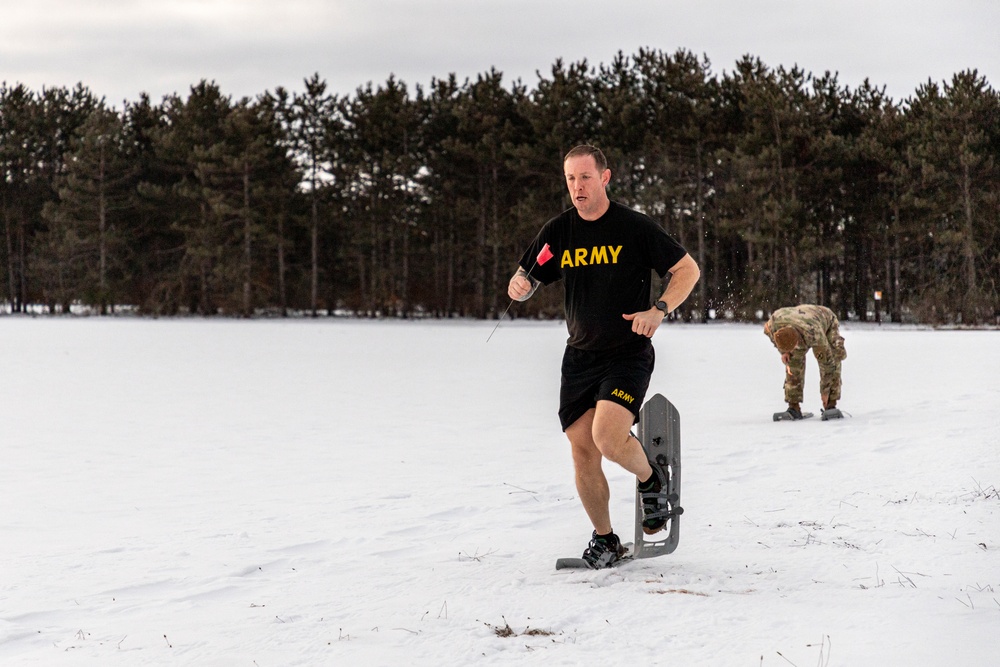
pixel 956 131
pixel 313 123
pixel 88 234
pixel 185 148
pixel 382 132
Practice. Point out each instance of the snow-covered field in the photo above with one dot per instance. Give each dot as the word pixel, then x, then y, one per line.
pixel 265 493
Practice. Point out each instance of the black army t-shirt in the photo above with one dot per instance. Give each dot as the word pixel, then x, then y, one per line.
pixel 605 265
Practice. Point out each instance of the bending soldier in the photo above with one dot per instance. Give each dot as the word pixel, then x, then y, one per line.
pixel 796 330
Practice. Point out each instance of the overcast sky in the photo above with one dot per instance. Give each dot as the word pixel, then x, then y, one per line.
pixel 120 48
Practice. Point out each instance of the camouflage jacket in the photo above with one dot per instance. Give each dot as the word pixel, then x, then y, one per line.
pixel 817 325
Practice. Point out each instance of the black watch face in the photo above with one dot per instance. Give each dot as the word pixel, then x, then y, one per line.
pixel 662 305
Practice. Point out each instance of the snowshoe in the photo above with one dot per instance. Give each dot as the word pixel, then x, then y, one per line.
pixel 791 415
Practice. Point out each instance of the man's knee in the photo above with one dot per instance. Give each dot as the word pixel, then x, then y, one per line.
pixel 585 452
pixel 612 443
pixel 611 430
pixel 587 461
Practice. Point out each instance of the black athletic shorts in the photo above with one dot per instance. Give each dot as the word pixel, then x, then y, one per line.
pixel 620 375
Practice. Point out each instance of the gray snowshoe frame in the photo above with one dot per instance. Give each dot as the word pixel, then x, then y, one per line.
pixel 787 416
pixel 659 432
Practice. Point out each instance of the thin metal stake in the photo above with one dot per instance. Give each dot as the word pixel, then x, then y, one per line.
pixel 499 320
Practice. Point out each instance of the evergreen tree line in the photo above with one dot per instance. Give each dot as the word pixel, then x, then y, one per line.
pixel 784 186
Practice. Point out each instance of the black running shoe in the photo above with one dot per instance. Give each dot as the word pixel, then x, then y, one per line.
pixel 603 551
pixel 653 502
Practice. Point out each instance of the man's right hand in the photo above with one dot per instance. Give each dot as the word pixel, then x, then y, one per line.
pixel 519 288
pixel 786 359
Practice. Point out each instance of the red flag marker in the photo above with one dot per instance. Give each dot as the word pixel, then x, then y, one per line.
pixel 544 255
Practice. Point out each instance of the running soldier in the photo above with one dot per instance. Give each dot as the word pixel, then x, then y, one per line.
pixel 603 254
pixel 796 330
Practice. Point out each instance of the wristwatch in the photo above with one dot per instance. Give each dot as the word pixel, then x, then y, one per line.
pixel 662 305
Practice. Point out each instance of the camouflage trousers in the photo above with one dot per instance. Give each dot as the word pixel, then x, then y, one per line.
pixel 829 374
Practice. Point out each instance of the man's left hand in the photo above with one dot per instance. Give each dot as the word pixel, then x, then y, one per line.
pixel 646 322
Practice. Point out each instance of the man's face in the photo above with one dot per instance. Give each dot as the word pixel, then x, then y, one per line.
pixel 586 186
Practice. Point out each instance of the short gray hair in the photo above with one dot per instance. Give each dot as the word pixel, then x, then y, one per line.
pixel 586 149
